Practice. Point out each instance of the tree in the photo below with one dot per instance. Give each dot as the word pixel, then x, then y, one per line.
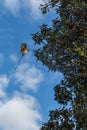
pixel 63 47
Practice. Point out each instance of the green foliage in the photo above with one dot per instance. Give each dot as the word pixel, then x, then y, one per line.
pixel 63 47
pixel 58 120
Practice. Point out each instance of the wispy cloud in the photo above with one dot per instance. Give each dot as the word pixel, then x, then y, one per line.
pixel 28 76
pixel 35 11
pixel 13 6
pixel 4 81
pixel 19 113
pixel 13 58
pixel 30 7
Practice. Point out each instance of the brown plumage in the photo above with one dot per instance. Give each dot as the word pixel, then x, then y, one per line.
pixel 23 47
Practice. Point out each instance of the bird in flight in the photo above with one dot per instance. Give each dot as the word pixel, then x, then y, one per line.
pixel 23 50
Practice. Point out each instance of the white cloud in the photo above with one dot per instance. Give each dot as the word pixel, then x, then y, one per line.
pixel 13 58
pixel 28 76
pixel 3 84
pixel 13 6
pixel 19 113
pixel 31 7
pixel 35 11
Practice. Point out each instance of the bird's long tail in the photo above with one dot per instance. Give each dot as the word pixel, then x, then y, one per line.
pixel 19 61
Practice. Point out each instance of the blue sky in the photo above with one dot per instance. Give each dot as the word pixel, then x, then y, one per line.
pixel 26 93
